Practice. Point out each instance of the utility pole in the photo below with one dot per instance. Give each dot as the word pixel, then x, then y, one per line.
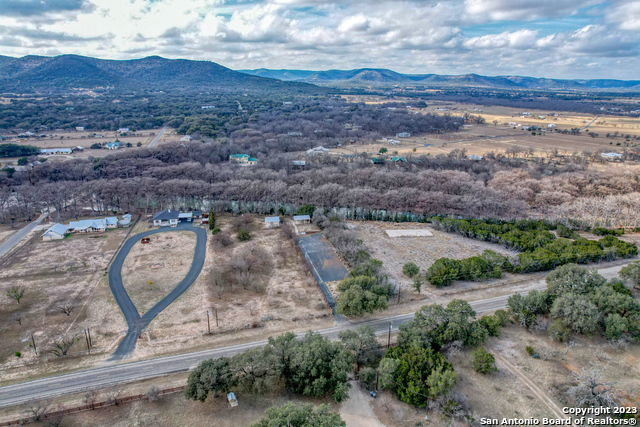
pixel 89 334
pixel 217 318
pixel 389 339
pixel 208 324
pixel 34 344
pixel 86 337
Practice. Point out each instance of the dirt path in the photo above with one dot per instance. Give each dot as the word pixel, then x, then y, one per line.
pixel 544 397
pixel 356 411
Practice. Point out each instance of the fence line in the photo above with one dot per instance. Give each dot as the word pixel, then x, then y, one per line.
pixel 97 405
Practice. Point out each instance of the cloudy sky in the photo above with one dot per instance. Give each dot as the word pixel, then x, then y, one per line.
pixel 542 38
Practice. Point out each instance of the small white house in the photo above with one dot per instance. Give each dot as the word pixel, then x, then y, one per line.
pixel 55 232
pixel 318 150
pixel 186 138
pixel 611 156
pixel 551 125
pixel 403 135
pixel 272 221
pixel 302 219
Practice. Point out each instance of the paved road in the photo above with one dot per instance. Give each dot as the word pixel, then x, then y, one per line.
pixel 135 322
pixel 20 234
pixel 157 138
pixel 116 374
pixel 323 263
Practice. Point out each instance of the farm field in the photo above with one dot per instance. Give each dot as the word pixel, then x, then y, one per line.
pixel 480 139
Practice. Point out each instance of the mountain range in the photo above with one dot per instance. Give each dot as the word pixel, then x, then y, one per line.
pixel 67 72
pixel 384 77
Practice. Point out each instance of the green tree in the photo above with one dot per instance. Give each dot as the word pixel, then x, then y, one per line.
pixel 363 344
pixel 483 361
pixel 256 371
pixel 22 161
pixel 212 220
pixel 576 312
pixel 292 415
pixel 387 373
pixel 320 367
pixel 573 278
pixel 211 375
pixel 417 283
pixel 615 325
pixel 421 374
pixel 410 269
pixel 306 210
pixel 631 273
pixel 383 150
pixel 356 301
pixel 367 376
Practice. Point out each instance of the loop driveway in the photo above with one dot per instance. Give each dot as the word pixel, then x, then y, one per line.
pixel 135 322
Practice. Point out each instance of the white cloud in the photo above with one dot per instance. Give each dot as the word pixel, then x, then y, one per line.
pixel 406 35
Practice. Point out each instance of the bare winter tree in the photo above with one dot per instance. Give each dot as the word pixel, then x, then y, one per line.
pixel 90 399
pixel 114 397
pixel 38 408
pixel 152 394
pixel 61 346
pixel 593 390
pixel 67 309
pixel 251 307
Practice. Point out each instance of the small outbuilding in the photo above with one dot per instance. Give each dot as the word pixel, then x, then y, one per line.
pixel 55 232
pixel 272 221
pixel 185 217
pixel 168 217
pixel 302 219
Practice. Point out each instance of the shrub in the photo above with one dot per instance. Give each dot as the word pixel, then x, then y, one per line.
pixel 215 231
pixel 530 350
pixel 18 354
pixel 410 269
pixel 243 235
pixel 559 332
pixel 483 362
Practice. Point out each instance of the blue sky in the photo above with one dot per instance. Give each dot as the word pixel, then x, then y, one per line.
pixel 542 38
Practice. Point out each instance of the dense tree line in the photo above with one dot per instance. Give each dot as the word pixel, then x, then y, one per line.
pixel 312 366
pixel 582 302
pixel 541 249
pixel 15 150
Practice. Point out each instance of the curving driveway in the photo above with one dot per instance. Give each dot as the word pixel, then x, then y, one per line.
pixel 135 322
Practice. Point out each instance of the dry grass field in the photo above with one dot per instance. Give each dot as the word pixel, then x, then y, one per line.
pixel 480 139
pixel 288 298
pixel 152 270
pixel 55 274
pixel 503 394
pixel 394 252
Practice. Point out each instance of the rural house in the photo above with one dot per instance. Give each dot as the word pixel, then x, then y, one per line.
pixel 55 232
pixel 403 135
pixel 272 221
pixel 168 217
pixel 93 225
pixel 243 159
pixel 125 221
pixel 112 145
pixel 302 219
pixel 49 151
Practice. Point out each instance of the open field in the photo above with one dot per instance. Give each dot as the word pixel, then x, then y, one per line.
pixel 288 298
pixel 152 270
pixel 394 252
pixel 55 274
pixel 504 394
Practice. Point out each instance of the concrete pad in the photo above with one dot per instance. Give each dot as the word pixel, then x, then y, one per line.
pixel 409 233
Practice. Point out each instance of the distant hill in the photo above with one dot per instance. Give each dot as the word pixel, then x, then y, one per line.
pixel 383 77
pixel 66 72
